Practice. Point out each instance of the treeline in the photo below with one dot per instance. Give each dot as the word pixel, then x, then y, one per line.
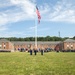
pixel 47 38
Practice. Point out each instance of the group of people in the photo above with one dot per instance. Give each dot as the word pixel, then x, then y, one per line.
pixel 35 52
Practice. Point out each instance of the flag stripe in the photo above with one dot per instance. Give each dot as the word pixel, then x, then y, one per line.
pixel 38 14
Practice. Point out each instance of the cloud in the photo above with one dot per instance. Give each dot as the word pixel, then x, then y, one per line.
pixel 26 6
pixel 3 28
pixel 63 11
pixel 12 34
pixel 19 10
pixel 16 10
pixel 12 11
pixel 43 29
pixel 32 28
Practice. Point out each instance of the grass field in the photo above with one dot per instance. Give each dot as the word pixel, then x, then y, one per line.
pixel 21 63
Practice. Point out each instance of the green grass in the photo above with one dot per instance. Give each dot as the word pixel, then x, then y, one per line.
pixel 21 63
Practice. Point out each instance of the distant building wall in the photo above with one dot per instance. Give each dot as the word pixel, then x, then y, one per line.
pixel 68 44
pixel 18 46
pixel 7 46
pixel 40 45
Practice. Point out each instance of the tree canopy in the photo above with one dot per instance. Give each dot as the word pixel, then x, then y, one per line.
pixel 47 38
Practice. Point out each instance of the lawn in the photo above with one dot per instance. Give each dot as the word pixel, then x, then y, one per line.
pixel 52 63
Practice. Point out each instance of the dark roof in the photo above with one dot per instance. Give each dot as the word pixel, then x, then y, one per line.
pixel 33 42
pixel 30 42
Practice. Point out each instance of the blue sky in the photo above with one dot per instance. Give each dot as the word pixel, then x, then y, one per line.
pixel 17 18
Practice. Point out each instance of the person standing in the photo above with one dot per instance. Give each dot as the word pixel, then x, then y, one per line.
pixel 30 52
pixel 41 51
pixel 35 51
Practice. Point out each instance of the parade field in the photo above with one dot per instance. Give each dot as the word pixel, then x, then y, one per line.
pixel 51 63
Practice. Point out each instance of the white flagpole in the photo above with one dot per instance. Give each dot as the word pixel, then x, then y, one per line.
pixel 39 17
pixel 35 32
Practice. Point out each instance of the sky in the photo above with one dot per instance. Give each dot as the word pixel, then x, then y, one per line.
pixel 18 18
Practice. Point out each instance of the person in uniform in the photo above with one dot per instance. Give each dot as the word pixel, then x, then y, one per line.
pixel 41 51
pixel 30 51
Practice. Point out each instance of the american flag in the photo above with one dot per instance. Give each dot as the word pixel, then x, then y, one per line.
pixel 38 14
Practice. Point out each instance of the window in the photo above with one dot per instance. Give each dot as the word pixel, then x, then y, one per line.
pixel 4 47
pixel 71 46
pixel 0 46
pixel 28 46
pixel 67 46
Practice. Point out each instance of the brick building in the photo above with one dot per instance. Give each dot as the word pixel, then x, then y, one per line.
pixel 6 45
pixel 40 44
pixel 68 44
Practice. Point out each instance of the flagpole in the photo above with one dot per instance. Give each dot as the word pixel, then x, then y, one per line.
pixel 39 17
pixel 35 32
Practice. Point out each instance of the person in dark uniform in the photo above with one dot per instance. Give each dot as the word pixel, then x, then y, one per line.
pixel 35 51
pixel 30 52
pixel 41 51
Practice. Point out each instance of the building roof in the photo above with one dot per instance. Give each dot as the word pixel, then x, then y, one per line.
pixel 3 40
pixel 69 40
pixel 33 42
pixel 30 42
